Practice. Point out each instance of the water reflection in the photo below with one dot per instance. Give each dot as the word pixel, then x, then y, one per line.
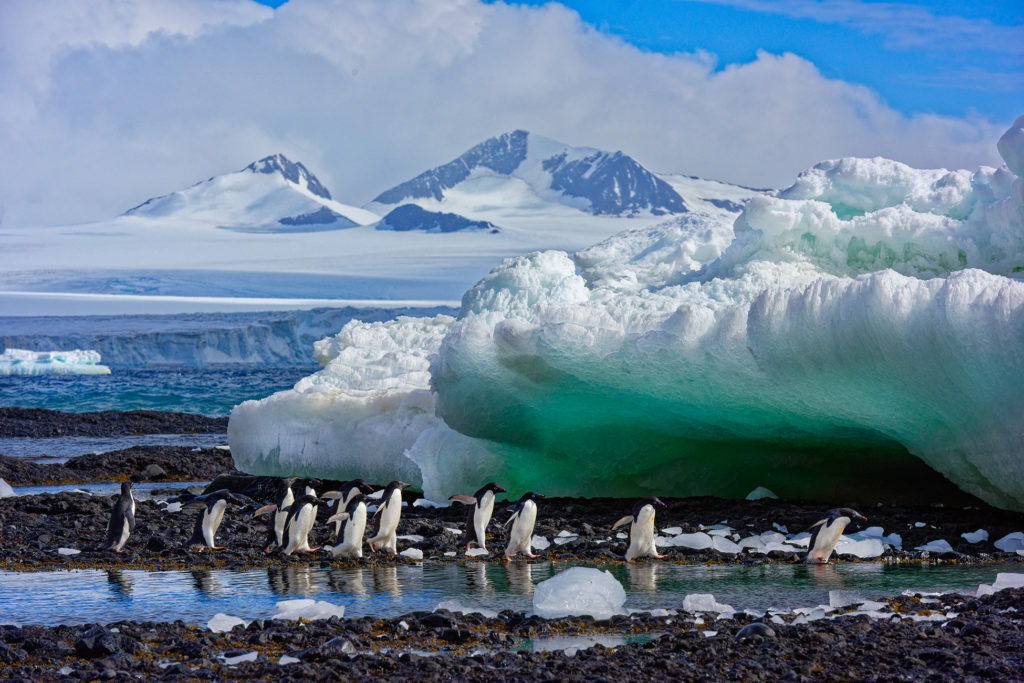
pixel 291 580
pixel 476 577
pixel 120 583
pixel 205 581
pixel 643 576
pixel 520 578
pixel 348 581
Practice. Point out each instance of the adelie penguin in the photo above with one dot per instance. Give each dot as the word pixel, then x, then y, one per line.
pixel 214 504
pixel 523 520
pixel 122 520
pixel 479 516
pixel 390 511
pixel 301 516
pixel 641 529
pixel 283 497
pixel 352 524
pixel 825 533
pixel 345 494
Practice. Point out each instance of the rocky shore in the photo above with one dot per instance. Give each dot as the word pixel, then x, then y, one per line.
pixel 949 638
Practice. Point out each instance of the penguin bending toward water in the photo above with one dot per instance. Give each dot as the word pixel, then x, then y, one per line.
pixel 214 504
pixel 825 533
pixel 122 520
pixel 390 511
pixel 523 519
pixel 345 494
pixel 479 516
pixel 283 497
pixel 301 516
pixel 641 529
pixel 352 524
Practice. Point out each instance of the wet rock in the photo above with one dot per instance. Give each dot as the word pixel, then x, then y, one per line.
pixel 756 629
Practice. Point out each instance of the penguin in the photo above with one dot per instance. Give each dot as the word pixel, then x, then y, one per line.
pixel 641 529
pixel 308 486
pixel 301 515
pixel 352 524
pixel 345 494
pixel 825 533
pixel 523 519
pixel 283 497
pixel 481 506
pixel 214 504
pixel 390 511
pixel 122 520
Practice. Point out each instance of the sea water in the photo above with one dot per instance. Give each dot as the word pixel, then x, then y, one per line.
pixel 93 595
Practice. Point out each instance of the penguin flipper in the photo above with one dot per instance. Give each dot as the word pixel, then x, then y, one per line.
pixel 332 494
pixel 468 500
pixel 625 520
pixel 265 509
pixel 340 517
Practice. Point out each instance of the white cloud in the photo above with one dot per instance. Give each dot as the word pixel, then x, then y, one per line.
pixel 368 94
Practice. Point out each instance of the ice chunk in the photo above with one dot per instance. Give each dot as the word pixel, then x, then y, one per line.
pixel 871 606
pixel 672 531
pixel 563 537
pixel 1011 542
pixel 412 538
pixel 307 608
pixel 1003 580
pixel 975 536
pixel 451 553
pixel 697 541
pixel 579 591
pixel 759 493
pixel 780 527
pixel 540 543
pixel 476 552
pixel 919 524
pixel 456 606
pixel 288 659
pixel 705 602
pixel 938 546
pixel 452 530
pixel 724 545
pixel 225 622
pixel 77 362
pixel 68 551
pixel 5 489
pixel 424 503
pixel 238 659
pixel 841 598
pixel 870 547
pixel 412 553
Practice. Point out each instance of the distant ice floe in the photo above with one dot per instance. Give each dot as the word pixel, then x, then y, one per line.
pixel 705 355
pixel 579 591
pixel 307 608
pixel 77 362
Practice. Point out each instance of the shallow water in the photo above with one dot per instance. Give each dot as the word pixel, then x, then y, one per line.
pixel 84 596
pixel 58 449
pixel 141 491
pixel 210 390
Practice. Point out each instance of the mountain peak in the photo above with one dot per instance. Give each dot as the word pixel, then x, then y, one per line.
pixel 292 171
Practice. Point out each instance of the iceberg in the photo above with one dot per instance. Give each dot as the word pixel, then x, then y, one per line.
pixel 859 328
pixel 76 362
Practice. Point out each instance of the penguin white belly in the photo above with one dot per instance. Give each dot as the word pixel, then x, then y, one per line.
pixel 352 542
pixel 298 530
pixel 482 517
pixel 521 537
pixel 641 535
pixel 828 537
pixel 211 522
pixel 126 528
pixel 281 517
pixel 389 517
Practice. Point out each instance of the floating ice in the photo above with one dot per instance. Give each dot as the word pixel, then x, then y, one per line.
pixel 225 622
pixel 456 606
pixel 77 362
pixel 307 608
pixel 579 591
pixel 1003 580
pixel 975 536
pixel 761 492
pixel 5 489
pixel 412 554
pixel 705 602
pixel 1011 542
pixel 540 543
pixel 68 551
pixel 857 324
pixel 938 546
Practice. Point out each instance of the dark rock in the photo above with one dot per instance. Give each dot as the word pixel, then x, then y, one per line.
pixel 756 629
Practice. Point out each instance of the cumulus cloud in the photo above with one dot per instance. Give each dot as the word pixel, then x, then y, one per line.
pixel 131 100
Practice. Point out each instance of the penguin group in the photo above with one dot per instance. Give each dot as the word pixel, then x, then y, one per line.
pixel 293 514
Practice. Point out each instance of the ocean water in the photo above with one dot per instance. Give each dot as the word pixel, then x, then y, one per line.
pixel 83 596
pixel 209 390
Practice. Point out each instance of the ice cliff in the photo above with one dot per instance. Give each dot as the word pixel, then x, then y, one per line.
pixel 824 344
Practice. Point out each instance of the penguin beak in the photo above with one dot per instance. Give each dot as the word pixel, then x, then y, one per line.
pixel 498 489
pixel 403 485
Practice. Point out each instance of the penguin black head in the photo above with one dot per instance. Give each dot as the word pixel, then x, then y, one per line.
pixel 653 501
pixel 846 512
pixel 356 500
pixel 398 485
pixel 126 486
pixel 284 484
pixel 531 495
pixel 492 487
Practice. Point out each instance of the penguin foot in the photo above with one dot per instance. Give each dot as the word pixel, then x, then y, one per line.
pixel 659 557
pixel 313 550
pixel 532 556
pixel 217 547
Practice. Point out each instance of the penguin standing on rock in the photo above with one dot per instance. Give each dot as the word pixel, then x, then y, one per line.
pixel 479 516
pixel 523 519
pixel 352 524
pixel 301 516
pixel 345 494
pixel 390 511
pixel 122 520
pixel 641 529
pixel 275 527
pixel 826 532
pixel 214 504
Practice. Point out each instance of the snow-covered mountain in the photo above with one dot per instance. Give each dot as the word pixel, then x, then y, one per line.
pixel 414 217
pixel 537 169
pixel 273 194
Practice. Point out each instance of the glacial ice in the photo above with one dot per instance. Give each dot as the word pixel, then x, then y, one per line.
pixel 824 344
pixel 76 362
pixel 579 591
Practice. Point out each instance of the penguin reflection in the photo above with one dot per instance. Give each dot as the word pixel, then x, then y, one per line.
pixel 205 582
pixel 477 580
pixel 520 578
pixel 290 580
pixel 643 577
pixel 120 583
pixel 385 580
pixel 351 581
